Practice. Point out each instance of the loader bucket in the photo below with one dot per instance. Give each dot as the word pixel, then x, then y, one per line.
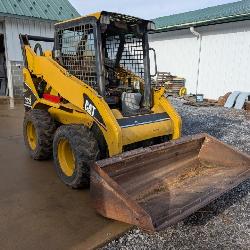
pixel 157 186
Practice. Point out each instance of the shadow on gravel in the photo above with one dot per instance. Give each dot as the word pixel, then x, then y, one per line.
pixel 215 208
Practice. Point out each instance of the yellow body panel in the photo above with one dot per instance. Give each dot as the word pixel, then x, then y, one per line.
pixel 146 131
pixel 45 102
pixel 75 117
pixel 162 103
pixel 60 82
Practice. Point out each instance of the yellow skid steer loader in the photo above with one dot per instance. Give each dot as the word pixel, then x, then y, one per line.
pixel 90 103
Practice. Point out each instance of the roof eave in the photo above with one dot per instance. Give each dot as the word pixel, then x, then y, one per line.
pixel 204 23
pixel 3 15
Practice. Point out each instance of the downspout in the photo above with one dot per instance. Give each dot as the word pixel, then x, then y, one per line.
pixel 199 37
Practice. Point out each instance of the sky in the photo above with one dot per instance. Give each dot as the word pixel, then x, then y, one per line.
pixel 147 9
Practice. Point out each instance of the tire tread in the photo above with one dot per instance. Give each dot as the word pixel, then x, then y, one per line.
pixel 86 151
pixel 45 128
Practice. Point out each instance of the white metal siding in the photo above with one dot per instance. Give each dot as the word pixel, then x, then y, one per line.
pixel 31 27
pixel 12 28
pixel 225 59
pixel 177 52
pixel 225 55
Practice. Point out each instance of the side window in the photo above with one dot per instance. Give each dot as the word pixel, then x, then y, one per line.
pixel 69 45
pixel 78 52
pixel 87 45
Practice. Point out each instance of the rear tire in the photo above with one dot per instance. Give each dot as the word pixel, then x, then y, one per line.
pixel 75 150
pixel 38 131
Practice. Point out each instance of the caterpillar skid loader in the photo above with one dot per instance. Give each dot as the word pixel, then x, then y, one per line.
pixel 90 103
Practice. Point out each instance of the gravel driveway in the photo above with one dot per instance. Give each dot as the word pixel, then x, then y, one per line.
pixel 223 224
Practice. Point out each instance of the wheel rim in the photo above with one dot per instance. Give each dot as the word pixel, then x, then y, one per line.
pixel 31 135
pixel 66 157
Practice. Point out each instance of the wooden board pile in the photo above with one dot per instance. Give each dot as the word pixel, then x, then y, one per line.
pixel 172 83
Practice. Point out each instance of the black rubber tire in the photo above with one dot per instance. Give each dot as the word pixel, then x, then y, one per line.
pixel 85 149
pixel 45 128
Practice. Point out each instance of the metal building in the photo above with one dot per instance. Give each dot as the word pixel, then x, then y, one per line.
pixel 34 17
pixel 209 47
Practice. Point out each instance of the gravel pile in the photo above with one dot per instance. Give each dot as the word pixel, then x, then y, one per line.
pixel 223 224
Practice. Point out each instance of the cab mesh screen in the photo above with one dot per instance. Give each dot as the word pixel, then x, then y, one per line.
pixel 131 53
pixel 78 54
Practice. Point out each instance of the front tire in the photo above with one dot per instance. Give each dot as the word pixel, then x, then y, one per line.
pixel 75 150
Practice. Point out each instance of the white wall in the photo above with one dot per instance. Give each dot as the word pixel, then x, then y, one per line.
pixel 12 28
pixel 225 56
pixel 15 26
pixel 177 52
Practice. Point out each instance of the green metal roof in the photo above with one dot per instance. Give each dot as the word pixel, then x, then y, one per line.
pixel 56 10
pixel 217 14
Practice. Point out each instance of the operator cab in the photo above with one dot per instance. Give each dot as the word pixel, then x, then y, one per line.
pixel 110 53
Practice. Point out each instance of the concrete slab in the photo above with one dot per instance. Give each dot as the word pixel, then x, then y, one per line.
pixel 37 211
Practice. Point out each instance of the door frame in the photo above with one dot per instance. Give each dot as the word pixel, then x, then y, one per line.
pixel 6 76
